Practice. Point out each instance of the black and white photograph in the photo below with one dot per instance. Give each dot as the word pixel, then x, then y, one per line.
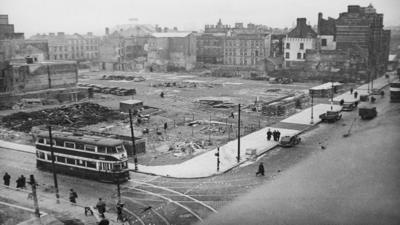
pixel 200 112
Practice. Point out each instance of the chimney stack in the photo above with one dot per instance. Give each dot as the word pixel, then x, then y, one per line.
pixel 107 31
pixel 301 21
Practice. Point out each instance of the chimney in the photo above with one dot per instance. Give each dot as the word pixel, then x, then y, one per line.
pixel 51 34
pixel 319 16
pixel 107 31
pixel 175 29
pixel 301 21
pixel 60 33
pixel 165 29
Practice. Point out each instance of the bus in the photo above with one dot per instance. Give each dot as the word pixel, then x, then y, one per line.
pixel 92 157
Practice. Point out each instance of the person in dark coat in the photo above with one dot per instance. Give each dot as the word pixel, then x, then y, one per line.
pixel 274 135
pixel 18 181
pixel 355 94
pixel 341 102
pixel 101 207
pixel 351 91
pixel 165 126
pixel 72 196
pixel 269 134
pixel 6 179
pixel 278 135
pixel 260 169
pixel 23 181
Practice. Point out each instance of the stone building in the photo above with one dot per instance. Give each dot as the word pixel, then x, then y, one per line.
pixel 171 51
pixel 297 42
pixel 7 30
pixel 326 33
pixel 210 48
pixel 71 47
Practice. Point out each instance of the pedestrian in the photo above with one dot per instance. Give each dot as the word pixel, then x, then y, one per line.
pixel 232 115
pixel 18 181
pixel 72 196
pixel 269 133
pixel 165 126
pixel 162 95
pixel 355 94
pixel 104 221
pixel 341 102
pixel 382 94
pixel 6 179
pixel 260 169
pixel 356 103
pixel 351 91
pixel 274 135
pixel 278 135
pixel 101 207
pixel 23 181
pixel 119 212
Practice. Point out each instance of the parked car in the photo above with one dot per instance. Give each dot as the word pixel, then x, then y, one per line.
pixel 330 116
pixel 289 141
pixel 348 106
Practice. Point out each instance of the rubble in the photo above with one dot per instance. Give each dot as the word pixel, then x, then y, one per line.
pixel 77 115
pixel 123 77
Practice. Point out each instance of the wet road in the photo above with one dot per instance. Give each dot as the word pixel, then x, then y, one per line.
pixel 355 180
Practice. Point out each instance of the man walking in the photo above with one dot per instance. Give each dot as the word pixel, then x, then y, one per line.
pixel 269 133
pixel 72 196
pixel 101 207
pixel 351 91
pixel 278 135
pixel 23 181
pixel 260 169
pixel 355 94
pixel 6 179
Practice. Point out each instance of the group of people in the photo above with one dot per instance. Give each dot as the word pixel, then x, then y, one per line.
pixel 21 181
pixel 276 134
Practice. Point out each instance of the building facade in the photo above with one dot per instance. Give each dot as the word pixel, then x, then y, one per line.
pixel 71 47
pixel 171 51
pixel 297 42
pixel 210 48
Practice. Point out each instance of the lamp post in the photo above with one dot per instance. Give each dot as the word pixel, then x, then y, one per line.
pixel 53 165
pixel 118 174
pixel 133 140
pixel 217 155
pixel 312 108
pixel 238 148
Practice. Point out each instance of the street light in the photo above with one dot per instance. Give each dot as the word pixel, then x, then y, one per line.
pixel 133 140
pixel 53 165
pixel 238 150
pixel 312 108
pixel 217 155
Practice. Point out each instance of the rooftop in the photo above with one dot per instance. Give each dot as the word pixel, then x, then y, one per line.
pixel 302 30
pixel 171 34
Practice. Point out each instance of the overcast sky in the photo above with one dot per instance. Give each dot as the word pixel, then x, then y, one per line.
pixel 81 16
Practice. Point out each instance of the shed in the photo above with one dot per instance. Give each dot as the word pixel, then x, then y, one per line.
pixel 325 90
pixel 132 104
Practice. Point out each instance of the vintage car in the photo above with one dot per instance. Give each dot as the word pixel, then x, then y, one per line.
pixel 330 116
pixel 348 106
pixel 289 141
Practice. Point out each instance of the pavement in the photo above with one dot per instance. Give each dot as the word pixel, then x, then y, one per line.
pixel 51 212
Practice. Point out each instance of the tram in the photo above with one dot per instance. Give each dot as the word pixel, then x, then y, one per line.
pixel 91 157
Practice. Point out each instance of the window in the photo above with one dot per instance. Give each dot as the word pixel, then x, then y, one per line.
pixel 304 56
pixel 60 159
pixel 71 161
pixel 101 149
pixel 111 150
pixel 55 56
pixel 66 56
pixel 41 140
pixel 120 148
pixel 256 53
pixel 90 148
pixel 91 164
pixel 287 45
pixel 301 45
pixel 49 157
pixel 323 42
pixel 59 143
pixel 80 146
pixel 81 162
pixel 287 55
pixel 69 144
pixel 40 155
pixel 299 55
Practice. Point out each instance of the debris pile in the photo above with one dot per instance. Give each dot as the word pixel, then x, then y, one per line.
pixel 77 115
pixel 123 77
pixel 185 147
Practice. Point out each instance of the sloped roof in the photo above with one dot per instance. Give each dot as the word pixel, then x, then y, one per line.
pixel 170 34
pixel 302 30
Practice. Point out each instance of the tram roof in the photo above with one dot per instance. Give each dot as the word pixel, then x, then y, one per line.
pixel 87 139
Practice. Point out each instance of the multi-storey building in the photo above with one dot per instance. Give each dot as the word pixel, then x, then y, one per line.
pixel 210 48
pixel 297 42
pixel 360 30
pixel 173 50
pixel 246 49
pixel 7 30
pixel 71 47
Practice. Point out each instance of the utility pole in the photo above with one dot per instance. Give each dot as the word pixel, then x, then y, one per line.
pixel 53 165
pixel 218 162
pixel 118 189
pixel 312 108
pixel 133 140
pixel 32 182
pixel 209 133
pixel 238 150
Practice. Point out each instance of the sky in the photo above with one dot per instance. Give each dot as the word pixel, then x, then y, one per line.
pixel 82 16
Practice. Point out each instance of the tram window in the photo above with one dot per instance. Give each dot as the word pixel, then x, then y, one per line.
pixel 91 164
pixel 90 148
pixel 69 144
pixel 40 155
pixel 125 165
pixel 119 148
pixel 41 140
pixel 48 157
pixel 48 141
pixel 101 149
pixel 81 162
pixel 60 159
pixel 80 146
pixel 117 166
pixel 111 150
pixel 59 143
pixel 71 161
